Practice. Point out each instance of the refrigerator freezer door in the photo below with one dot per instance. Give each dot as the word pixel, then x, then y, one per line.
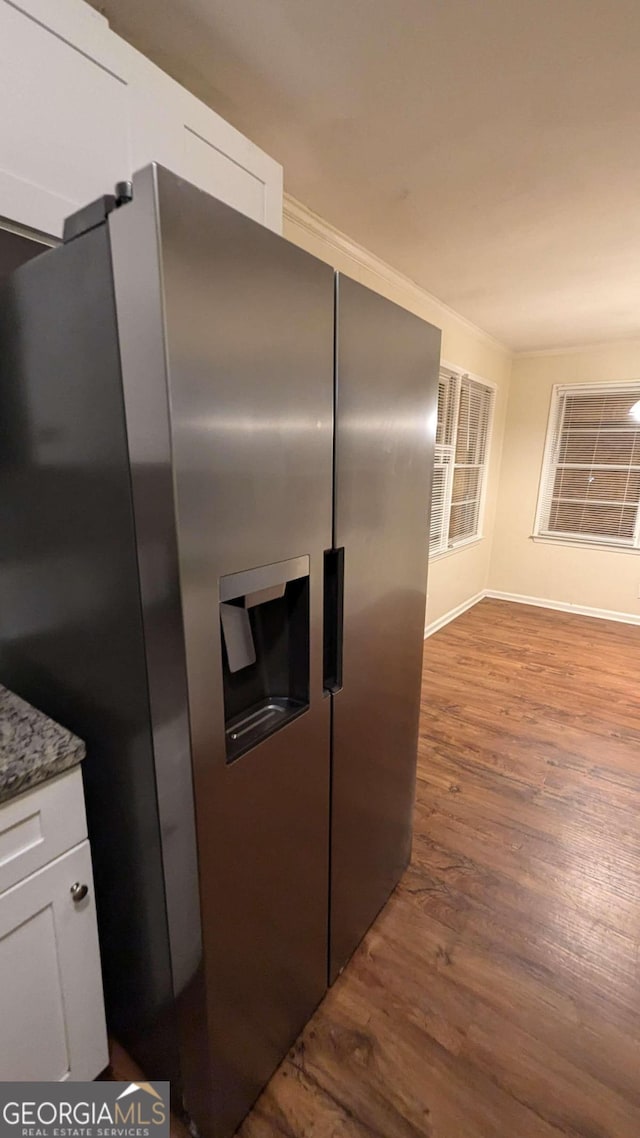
pixel 387 382
pixel 248 334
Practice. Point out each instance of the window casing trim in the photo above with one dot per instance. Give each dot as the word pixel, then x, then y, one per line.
pixel 591 541
pixel 604 545
pixel 459 374
pixel 465 543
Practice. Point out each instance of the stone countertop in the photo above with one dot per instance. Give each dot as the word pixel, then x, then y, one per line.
pixel 32 747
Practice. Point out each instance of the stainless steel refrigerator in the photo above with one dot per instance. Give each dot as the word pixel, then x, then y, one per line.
pixel 215 492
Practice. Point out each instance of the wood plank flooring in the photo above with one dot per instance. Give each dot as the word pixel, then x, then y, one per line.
pixel 498 994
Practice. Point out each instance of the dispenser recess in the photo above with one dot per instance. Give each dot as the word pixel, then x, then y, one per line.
pixel 264 618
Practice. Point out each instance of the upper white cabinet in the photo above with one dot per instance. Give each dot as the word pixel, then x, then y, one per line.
pixel 169 125
pixel 63 130
pixel 82 110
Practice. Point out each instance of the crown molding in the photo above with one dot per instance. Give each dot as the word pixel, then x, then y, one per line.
pixel 300 215
pixel 578 349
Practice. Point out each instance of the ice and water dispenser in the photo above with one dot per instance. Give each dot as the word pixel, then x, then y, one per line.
pixel 264 619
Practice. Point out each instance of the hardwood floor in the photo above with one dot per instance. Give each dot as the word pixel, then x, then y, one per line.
pixel 122 1069
pixel 498 994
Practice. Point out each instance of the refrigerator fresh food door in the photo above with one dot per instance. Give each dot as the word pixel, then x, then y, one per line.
pixel 386 405
pixel 248 342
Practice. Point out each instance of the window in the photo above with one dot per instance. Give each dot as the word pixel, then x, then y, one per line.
pixel 590 485
pixel 462 449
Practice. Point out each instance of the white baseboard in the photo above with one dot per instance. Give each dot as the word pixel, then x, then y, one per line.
pixel 563 606
pixel 537 602
pixel 436 625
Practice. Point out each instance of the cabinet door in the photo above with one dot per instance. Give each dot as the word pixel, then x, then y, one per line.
pixel 170 126
pixel 63 131
pixel 52 1025
pixel 82 109
pixel 216 158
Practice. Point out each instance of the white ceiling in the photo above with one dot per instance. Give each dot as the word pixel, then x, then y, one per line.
pixel 489 149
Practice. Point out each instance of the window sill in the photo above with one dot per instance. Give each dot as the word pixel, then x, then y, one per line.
pixel 455 549
pixel 574 543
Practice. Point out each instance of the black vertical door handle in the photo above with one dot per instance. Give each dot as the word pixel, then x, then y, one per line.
pixel 333 618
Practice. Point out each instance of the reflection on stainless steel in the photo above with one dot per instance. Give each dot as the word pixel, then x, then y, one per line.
pixel 387 367
pixel 168 381
pixel 250 424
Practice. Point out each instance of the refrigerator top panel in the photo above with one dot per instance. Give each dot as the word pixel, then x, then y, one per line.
pixel 226 340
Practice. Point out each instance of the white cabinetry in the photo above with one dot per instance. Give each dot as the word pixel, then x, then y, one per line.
pixel 82 110
pixel 52 1024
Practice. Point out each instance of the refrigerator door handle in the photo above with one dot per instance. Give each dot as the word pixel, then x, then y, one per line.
pixel 333 619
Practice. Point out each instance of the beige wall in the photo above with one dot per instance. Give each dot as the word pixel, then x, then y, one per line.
pixel 457 576
pixel 579 575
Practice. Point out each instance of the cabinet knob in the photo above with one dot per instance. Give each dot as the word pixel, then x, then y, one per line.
pixel 78 891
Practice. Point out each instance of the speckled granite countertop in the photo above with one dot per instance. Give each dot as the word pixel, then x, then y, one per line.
pixel 32 747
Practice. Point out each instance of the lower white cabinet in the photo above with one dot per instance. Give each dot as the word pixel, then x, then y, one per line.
pixel 52 1024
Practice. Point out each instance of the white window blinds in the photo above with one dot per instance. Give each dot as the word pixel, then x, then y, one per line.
pixel 461 453
pixel 590 484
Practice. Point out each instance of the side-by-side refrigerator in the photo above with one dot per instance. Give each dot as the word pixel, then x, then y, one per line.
pixel 215 491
